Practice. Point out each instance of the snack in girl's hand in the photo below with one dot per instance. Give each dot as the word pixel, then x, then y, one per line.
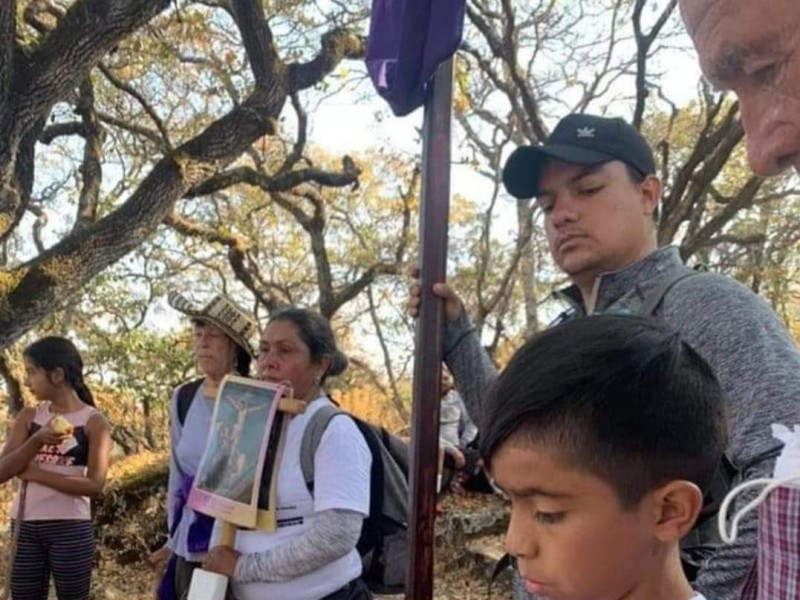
pixel 61 424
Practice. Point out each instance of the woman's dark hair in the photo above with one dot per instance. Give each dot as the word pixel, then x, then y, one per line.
pixel 243 361
pixel 53 352
pixel 316 333
pixel 621 397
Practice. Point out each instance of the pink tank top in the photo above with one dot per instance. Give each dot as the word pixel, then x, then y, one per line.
pixel 43 503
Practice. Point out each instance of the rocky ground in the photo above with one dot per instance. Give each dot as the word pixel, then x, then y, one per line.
pixel 468 543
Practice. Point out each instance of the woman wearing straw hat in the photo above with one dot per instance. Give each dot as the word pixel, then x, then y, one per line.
pixel 222 333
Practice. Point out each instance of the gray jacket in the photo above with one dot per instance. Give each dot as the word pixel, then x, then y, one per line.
pixel 740 337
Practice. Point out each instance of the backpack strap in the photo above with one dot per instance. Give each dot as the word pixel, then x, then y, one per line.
pixel 506 562
pixel 397 448
pixel 312 436
pixel 656 296
pixel 186 394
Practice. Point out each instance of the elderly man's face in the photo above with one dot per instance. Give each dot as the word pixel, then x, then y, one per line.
pixel 753 48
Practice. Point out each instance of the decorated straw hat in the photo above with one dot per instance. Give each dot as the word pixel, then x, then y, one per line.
pixel 221 312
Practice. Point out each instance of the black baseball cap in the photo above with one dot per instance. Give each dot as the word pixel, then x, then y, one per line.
pixel 582 140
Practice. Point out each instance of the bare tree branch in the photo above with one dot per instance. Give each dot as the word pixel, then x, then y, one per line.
pixel 243 268
pixel 191 229
pixel 302 133
pixel 280 183
pixel 88 30
pixel 712 148
pixel 246 271
pixel 15 401
pixel 8 36
pixel 141 100
pixel 748 240
pixel 745 198
pixel 38 226
pixel 150 134
pixel 91 169
pixel 257 38
pixel 353 289
pixel 505 49
pixel 408 197
pixel 52 132
pixel 644 42
pixel 337 45
pixel 396 398
pixel 522 244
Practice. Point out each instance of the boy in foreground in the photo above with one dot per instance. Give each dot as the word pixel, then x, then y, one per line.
pixel 604 432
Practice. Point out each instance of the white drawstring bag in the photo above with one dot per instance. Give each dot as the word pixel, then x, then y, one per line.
pixel 776 572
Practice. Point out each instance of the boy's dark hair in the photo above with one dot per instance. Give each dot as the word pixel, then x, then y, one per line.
pixel 620 397
pixel 53 352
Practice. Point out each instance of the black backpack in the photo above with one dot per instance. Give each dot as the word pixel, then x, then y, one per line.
pixel 383 544
pixel 186 393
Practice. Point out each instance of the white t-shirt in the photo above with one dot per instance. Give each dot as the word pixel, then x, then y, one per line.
pixel 341 481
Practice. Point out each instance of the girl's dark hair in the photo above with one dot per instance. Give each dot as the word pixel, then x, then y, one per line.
pixel 53 352
pixel 316 333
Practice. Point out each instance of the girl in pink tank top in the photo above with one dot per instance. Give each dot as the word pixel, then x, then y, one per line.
pixel 59 450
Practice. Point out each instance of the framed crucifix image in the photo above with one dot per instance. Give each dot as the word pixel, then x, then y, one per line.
pixel 235 482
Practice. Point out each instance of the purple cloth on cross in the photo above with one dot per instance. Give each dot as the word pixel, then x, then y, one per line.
pixel 408 40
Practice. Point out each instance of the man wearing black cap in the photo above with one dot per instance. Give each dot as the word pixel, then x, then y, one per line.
pixel 595 181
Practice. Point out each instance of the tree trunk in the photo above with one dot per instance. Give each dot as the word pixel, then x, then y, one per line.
pixel 15 400
pixel 149 434
pixel 528 273
pixel 130 518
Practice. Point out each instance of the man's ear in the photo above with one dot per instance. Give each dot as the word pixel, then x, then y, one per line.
pixel 652 189
pixel 676 508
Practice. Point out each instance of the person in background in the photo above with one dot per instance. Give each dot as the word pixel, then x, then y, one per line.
pixel 752 47
pixel 222 333
pixel 456 428
pixel 457 436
